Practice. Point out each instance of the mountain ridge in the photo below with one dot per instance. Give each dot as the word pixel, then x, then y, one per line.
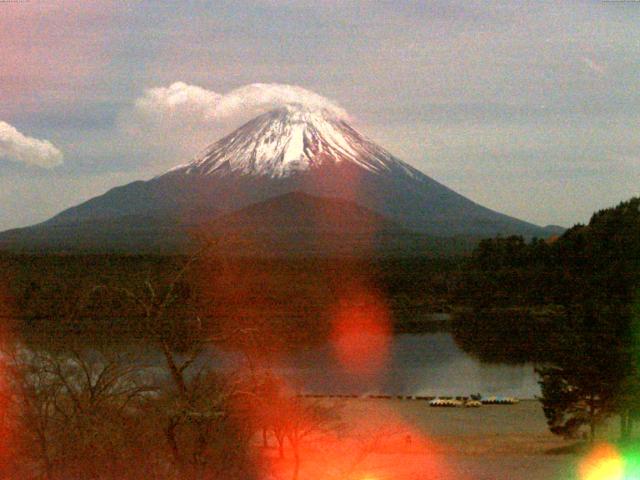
pixel 292 149
pixel 288 140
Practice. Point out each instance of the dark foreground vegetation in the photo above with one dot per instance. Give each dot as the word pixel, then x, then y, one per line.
pixel 105 360
pixel 82 396
pixel 106 371
pixel 77 412
pixel 93 294
pixel 570 304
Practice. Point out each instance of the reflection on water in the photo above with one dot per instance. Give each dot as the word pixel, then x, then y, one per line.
pixel 419 364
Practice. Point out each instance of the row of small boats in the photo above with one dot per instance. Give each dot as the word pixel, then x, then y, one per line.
pixel 472 402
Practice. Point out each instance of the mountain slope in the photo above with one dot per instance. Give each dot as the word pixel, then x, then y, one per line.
pixel 298 224
pixel 293 149
pixel 302 212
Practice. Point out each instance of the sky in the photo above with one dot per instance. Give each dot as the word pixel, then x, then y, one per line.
pixel 529 108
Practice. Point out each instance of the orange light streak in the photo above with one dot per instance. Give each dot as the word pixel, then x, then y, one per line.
pixel 602 463
pixel 361 333
pixel 6 432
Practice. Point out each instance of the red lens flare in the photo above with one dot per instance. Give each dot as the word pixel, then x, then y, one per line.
pixel 361 332
pixel 374 443
pixel 301 437
pixel 6 436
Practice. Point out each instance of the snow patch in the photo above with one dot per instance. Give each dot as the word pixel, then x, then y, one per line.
pixel 288 140
pixel 294 148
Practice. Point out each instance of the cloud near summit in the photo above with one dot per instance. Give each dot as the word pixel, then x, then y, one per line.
pixel 193 104
pixel 17 147
pixel 171 124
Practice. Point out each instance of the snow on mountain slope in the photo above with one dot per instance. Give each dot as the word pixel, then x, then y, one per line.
pixel 291 139
pixel 291 149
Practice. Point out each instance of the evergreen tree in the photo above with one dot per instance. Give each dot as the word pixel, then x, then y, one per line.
pixel 593 371
pixel 568 304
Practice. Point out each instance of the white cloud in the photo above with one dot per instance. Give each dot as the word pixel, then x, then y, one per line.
pixel 17 147
pixel 168 125
pixel 181 103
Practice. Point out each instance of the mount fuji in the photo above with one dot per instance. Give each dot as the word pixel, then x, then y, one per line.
pixel 320 166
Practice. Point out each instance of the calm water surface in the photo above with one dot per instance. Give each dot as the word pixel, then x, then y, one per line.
pixel 428 364
pixel 418 364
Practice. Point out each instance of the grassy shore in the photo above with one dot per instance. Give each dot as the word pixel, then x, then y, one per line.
pixel 397 440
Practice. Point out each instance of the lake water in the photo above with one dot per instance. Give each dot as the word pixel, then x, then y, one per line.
pixel 418 364
pixel 429 364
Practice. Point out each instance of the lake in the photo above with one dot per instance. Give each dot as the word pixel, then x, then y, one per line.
pixel 417 364
pixel 426 364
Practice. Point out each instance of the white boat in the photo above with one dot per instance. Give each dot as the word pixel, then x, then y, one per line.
pixel 445 402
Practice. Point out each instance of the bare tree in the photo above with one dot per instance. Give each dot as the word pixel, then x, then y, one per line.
pixel 305 418
pixel 73 406
pixel 200 421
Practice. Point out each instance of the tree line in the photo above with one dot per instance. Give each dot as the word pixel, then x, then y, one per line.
pixel 569 304
pixel 292 296
pixel 86 406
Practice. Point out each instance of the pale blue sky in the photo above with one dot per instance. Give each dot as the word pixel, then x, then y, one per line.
pixel 530 108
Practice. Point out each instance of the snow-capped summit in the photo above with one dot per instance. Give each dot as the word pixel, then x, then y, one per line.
pixel 291 139
pixel 292 149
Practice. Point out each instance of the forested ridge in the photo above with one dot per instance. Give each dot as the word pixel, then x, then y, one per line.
pixel 570 304
pixel 290 298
